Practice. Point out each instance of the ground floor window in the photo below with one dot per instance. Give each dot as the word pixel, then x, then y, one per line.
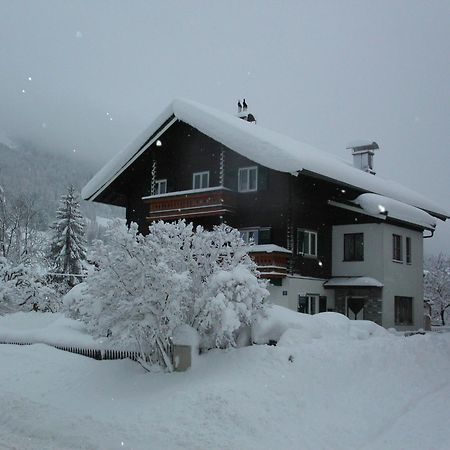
pixel 260 235
pixel 250 235
pixel 403 310
pixel 311 304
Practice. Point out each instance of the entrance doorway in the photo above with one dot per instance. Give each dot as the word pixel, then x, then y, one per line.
pixel 355 307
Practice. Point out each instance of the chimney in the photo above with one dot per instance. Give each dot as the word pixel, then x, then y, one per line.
pixel 363 152
pixel 243 112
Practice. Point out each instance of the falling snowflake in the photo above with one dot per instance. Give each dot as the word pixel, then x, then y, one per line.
pixel 78 34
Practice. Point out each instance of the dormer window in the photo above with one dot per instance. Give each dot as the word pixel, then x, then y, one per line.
pixel 160 187
pixel 200 180
pixel 248 179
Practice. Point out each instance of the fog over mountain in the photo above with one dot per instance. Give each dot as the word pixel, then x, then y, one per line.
pixel 43 177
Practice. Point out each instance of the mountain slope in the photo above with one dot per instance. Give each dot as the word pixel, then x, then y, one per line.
pixel 45 177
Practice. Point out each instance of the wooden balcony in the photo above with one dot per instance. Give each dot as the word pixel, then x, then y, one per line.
pixel 270 262
pixel 190 204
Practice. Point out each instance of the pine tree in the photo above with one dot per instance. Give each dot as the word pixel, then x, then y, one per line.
pixel 68 246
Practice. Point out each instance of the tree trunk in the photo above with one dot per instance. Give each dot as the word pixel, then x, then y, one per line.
pixel 443 317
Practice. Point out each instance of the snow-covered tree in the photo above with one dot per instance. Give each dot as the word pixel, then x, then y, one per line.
pixel 24 288
pixel 147 286
pixel 437 285
pixel 20 241
pixel 68 246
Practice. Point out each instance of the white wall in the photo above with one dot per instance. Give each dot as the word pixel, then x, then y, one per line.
pixel 399 279
pixel 297 285
pixel 373 251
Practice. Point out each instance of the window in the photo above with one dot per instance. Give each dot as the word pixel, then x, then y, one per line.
pixel 403 310
pixel 160 187
pixel 354 247
pixel 248 179
pixel 307 242
pixel 408 250
pixel 250 236
pixel 397 248
pixel 311 304
pixel 200 180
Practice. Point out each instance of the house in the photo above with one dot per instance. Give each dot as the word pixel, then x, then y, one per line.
pixel 329 235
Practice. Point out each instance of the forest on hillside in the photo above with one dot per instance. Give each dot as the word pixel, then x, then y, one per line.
pixel 41 178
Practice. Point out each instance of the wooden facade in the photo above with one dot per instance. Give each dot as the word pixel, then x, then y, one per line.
pixel 281 205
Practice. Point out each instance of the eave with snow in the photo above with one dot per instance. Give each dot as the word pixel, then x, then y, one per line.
pixel 296 203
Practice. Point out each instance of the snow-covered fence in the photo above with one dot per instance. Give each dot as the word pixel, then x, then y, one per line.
pixel 102 354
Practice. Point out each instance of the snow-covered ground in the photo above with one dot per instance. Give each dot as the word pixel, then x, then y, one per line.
pixel 333 386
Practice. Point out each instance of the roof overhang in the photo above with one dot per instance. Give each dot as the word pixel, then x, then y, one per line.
pixel 105 176
pixel 265 147
pixel 360 282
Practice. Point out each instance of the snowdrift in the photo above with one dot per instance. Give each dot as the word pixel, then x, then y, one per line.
pixel 286 327
pixel 337 386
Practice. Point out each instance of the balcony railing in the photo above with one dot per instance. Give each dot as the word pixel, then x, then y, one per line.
pixel 216 201
pixel 271 264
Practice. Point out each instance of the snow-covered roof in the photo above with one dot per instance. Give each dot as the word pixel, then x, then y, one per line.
pixel 353 281
pixel 359 143
pixel 385 206
pixel 267 248
pixel 258 144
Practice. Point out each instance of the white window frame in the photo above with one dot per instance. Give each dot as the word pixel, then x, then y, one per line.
pixel 200 175
pixel 308 235
pixel 245 235
pixel 159 184
pixel 247 170
pixel 312 300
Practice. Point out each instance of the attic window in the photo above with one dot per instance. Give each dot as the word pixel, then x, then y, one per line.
pixel 200 180
pixel 160 187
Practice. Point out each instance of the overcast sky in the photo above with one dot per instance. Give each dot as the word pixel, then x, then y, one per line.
pixel 90 75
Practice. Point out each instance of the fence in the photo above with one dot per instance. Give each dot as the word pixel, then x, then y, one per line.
pixel 89 352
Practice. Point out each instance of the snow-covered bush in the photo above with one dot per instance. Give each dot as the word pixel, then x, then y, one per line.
pixel 146 286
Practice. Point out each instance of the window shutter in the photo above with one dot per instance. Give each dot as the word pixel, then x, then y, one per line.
pixel 300 241
pixel 322 303
pixel 263 175
pixel 231 179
